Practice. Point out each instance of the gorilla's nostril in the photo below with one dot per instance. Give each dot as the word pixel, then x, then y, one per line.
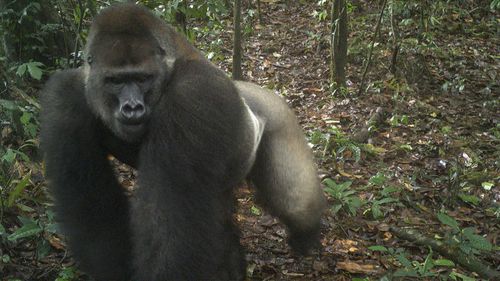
pixel 133 111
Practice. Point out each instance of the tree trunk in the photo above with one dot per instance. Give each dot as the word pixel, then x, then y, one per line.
pixel 237 73
pixel 339 34
pixel 259 13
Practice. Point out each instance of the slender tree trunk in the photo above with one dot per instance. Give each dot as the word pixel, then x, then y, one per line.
pixel 339 34
pixel 6 49
pixel 370 53
pixel 237 73
pixel 259 13
pixel 395 40
pixel 79 30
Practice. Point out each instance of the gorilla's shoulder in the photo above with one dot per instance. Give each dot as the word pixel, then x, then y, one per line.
pixel 67 82
pixel 65 91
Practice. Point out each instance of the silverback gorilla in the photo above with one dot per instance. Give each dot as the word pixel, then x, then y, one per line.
pixel 149 98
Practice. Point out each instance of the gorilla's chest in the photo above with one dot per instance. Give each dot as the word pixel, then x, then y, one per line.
pixel 127 153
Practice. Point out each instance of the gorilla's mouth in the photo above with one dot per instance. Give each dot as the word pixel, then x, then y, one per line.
pixel 133 129
pixel 129 132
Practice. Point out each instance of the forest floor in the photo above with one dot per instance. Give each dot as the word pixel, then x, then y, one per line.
pixel 430 164
pixel 436 150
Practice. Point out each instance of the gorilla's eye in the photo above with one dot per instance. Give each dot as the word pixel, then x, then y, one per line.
pixel 114 80
pixel 144 78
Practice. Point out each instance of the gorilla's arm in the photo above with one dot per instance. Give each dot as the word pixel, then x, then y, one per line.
pixel 182 216
pixel 89 201
pixel 284 172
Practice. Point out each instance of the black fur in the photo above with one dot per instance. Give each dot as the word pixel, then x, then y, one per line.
pixel 194 145
pixel 91 204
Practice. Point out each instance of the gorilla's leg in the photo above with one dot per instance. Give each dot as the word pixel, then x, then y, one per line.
pixel 182 226
pixel 90 204
pixel 284 172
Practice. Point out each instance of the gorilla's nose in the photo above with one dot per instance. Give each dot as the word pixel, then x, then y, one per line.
pixel 133 111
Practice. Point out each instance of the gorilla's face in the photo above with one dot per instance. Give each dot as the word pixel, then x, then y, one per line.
pixel 125 75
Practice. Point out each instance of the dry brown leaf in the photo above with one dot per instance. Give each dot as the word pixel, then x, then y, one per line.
pixel 353 267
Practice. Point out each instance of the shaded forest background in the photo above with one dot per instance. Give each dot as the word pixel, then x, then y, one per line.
pixel 400 101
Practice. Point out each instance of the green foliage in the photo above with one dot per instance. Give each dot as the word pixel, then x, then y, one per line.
pixel 343 196
pixel 465 239
pixel 430 268
pixel 421 269
pixel 20 125
pixel 399 120
pixel 31 230
pixel 379 202
pixel 256 210
pixel 26 35
pixel 495 5
pixel 336 143
pixel 211 11
pixel 31 68
pixel 28 229
pixel 67 274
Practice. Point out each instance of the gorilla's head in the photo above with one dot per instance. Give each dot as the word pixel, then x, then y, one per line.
pixel 126 67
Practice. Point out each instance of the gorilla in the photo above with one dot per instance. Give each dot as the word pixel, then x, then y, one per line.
pixel 151 100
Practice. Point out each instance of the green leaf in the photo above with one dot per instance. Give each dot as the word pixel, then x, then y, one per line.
pixel 428 264
pixel 449 221
pixel 6 259
pixel 487 185
pixel 356 151
pixel 495 5
pixel 26 117
pixel 444 262
pixel 378 248
pixel 378 179
pixel 461 276
pixel 52 228
pixel 329 182
pixel 404 261
pixel 14 194
pixel 255 210
pixel 9 105
pixel 21 70
pixel 376 211
pixel 336 208
pixel 25 220
pixel 42 249
pixel 345 185
pixel 480 243
pixel 466 248
pixel 394 121
pixel 27 230
pixel 2 230
pixel 388 190
pixel 9 156
pixel 386 200
pixel 406 147
pixel 472 199
pixel 446 129
pixel 34 70
pixel 404 119
pixel 24 208
pixel 67 274
pixel 355 201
